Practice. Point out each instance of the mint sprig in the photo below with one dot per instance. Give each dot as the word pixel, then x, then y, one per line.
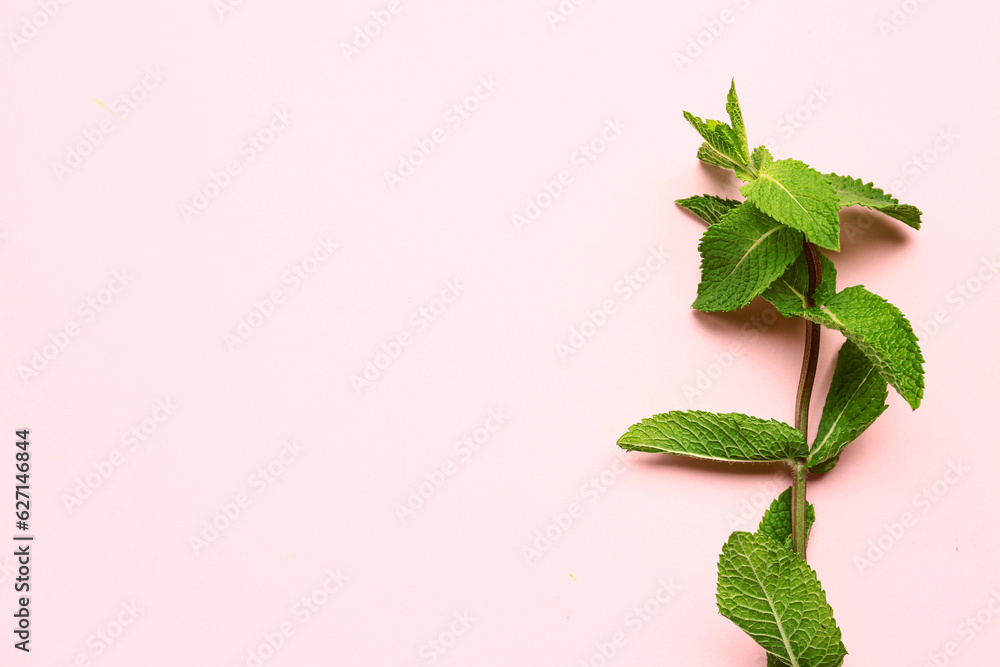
pixel 709 208
pixel 769 245
pixel 852 192
pixel 800 197
pixel 882 332
pixel 741 256
pixel 788 294
pixel 773 595
pixel 777 521
pixel 720 436
pixel 855 400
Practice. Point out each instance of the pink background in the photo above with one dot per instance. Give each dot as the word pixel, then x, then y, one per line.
pixel 102 247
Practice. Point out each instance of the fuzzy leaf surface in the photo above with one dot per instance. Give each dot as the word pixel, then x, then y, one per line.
pixel 881 332
pixel 773 595
pixel 777 521
pixel 719 436
pixel 736 118
pixel 761 157
pixel 855 400
pixel 853 192
pixel 788 293
pixel 721 147
pixel 708 207
pixel 708 155
pixel 798 196
pixel 741 256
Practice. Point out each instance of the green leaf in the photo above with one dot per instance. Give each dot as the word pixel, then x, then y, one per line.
pixel 788 293
pixel 736 118
pixel 709 155
pixel 720 436
pixel 709 207
pixel 775 661
pixel 856 399
pixel 881 332
pixel 791 192
pixel 741 256
pixel 722 146
pixel 777 521
pixel 761 157
pixel 773 595
pixel 853 192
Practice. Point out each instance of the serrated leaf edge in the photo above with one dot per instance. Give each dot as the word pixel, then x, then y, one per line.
pixel 818 444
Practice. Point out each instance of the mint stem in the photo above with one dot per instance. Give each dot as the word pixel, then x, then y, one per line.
pixel 810 360
pixel 799 536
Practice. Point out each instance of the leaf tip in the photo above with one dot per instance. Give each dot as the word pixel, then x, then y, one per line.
pixel 834 243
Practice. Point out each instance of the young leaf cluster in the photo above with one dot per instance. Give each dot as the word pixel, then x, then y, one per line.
pixel 772 245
